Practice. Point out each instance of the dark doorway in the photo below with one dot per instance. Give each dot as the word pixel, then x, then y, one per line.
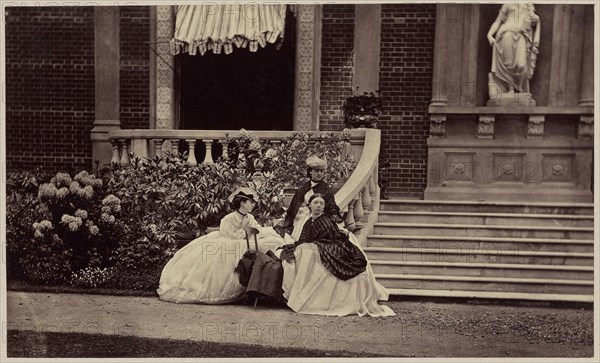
pixel 243 89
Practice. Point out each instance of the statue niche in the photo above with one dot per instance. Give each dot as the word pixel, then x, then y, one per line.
pixel 515 38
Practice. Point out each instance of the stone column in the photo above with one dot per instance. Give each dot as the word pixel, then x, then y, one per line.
pixel 367 46
pixel 106 66
pixel 440 52
pixel 586 92
pixel 308 67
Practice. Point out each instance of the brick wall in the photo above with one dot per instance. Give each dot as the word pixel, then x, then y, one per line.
pixel 135 68
pixel 336 64
pixel 49 87
pixel 406 69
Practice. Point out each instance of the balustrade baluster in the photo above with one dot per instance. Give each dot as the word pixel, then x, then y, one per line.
pixel 175 147
pixel 116 157
pixel 372 187
pixel 208 159
pixel 192 153
pixel 225 145
pixel 349 221
pixel 359 212
pixel 366 198
pixel 158 147
pixel 125 152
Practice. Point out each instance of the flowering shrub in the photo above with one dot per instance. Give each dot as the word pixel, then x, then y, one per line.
pixel 82 214
pixel 92 277
pixel 120 231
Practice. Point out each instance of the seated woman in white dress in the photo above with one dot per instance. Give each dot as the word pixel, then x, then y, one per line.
pixel 203 270
pixel 325 271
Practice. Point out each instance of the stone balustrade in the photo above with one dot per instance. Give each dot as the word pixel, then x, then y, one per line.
pixel 358 198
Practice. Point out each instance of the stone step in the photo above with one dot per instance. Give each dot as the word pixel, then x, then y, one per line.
pixel 479 256
pixel 487 207
pixel 472 294
pixel 483 269
pixel 474 230
pixel 551 220
pixel 482 243
pixel 490 284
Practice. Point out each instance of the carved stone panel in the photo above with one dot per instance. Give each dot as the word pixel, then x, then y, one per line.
pixel 505 167
pixel 558 168
pixel 458 167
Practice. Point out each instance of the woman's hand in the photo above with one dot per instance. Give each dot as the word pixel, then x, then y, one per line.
pixel 491 40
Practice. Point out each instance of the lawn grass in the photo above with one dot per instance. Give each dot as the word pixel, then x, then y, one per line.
pixel 31 344
pixel 68 289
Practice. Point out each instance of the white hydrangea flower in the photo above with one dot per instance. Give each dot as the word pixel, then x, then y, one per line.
pixel 254 145
pixel 94 230
pixel 81 213
pixel 63 179
pixel 111 200
pixel 45 224
pixel 47 191
pixel 62 193
pixel 82 175
pixel 271 153
pixel 74 187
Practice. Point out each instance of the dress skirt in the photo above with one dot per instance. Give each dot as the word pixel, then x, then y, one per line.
pixel 311 289
pixel 203 270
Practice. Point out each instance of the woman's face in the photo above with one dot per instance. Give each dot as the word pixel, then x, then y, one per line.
pixel 317 175
pixel 317 206
pixel 247 205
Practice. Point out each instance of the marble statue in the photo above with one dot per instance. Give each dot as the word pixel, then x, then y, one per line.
pixel 515 38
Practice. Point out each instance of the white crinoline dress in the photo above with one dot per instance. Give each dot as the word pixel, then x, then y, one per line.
pixel 203 270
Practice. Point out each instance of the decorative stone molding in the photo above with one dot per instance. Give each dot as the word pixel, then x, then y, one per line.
pixel 535 126
pixel 585 128
pixel 485 127
pixel 437 125
pixel 305 67
pixel 164 68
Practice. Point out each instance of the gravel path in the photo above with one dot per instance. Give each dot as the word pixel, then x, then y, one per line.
pixel 420 329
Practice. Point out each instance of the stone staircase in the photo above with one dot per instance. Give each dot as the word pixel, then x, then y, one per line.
pixel 500 250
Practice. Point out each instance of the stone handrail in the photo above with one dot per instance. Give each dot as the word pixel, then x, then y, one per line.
pixel 359 196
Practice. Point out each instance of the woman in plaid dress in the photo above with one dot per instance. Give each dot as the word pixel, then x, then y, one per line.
pixel 327 273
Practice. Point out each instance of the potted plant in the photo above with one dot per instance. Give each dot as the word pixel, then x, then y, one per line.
pixel 362 110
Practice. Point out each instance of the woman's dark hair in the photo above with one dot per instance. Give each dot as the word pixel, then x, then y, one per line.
pixel 237 201
pixel 316 195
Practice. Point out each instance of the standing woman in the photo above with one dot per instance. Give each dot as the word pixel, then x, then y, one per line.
pixel 203 270
pixel 298 212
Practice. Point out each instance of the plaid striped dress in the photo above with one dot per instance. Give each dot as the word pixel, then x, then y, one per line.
pixel 338 255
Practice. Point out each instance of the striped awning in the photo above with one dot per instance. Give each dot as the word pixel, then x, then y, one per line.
pixel 199 28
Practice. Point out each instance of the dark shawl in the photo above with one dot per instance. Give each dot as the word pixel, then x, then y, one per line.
pixel 338 255
pixel 331 209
